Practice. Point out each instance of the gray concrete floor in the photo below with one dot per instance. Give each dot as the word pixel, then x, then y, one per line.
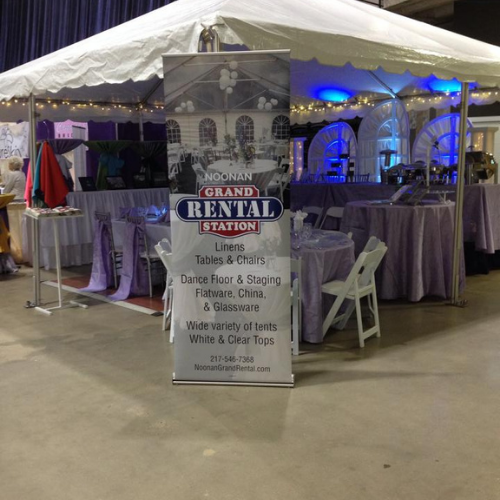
pixel 88 411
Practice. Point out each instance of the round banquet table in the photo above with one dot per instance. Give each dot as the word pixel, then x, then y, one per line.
pixel 419 243
pixel 327 256
pixel 262 171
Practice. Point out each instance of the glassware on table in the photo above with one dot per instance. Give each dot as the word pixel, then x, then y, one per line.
pixel 307 231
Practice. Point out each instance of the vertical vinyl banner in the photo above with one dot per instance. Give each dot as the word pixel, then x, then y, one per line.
pixel 228 131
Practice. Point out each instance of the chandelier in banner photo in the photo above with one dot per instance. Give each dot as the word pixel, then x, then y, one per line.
pixel 228 77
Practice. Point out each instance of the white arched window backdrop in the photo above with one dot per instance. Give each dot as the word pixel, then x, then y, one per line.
pixel 245 129
pixel 331 145
pixel 387 126
pixel 207 132
pixel 439 140
pixel 173 132
pixel 281 128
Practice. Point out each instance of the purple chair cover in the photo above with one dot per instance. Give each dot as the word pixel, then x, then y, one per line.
pixel 102 265
pixel 134 278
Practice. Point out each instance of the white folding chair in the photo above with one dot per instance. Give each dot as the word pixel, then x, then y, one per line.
pixel 360 283
pixel 333 213
pixel 296 269
pixel 318 211
pixel 164 251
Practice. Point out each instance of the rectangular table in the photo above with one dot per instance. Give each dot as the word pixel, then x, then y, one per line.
pixel 77 235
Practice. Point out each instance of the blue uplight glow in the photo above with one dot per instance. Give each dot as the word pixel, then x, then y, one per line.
pixel 333 95
pixel 454 85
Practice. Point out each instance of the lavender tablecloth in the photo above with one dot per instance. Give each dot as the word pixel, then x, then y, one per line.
pixel 329 258
pixel 419 239
pixel 481 216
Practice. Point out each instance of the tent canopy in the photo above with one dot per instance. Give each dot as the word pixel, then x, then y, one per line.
pixel 330 42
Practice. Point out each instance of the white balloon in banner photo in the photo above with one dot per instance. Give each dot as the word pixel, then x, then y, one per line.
pixel 225 79
pixel 178 109
pixel 262 100
pixel 183 105
pixel 190 109
pixel 224 72
pixel 222 86
pixel 189 103
pixel 234 75
pixel 229 90
pixel 232 83
pixel 274 102
pixel 260 105
pixel 268 106
pixel 233 64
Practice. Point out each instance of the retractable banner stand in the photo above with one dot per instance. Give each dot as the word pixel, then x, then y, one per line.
pixel 228 131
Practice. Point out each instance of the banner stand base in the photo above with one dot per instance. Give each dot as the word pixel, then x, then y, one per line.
pixel 214 382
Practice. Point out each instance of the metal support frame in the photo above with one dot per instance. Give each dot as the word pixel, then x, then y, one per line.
pixel 35 231
pixel 457 236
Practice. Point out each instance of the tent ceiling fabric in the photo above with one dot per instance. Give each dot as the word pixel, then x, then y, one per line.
pixel 123 64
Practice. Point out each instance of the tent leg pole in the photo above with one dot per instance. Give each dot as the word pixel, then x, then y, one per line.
pixel 141 126
pixel 457 237
pixel 35 228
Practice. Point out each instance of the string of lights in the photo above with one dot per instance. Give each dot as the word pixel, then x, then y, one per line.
pixel 357 104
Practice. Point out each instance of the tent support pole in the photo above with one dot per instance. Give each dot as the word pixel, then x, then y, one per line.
pixel 457 237
pixel 34 223
pixel 141 126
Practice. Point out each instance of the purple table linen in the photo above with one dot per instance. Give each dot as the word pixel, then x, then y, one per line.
pixel 332 259
pixel 419 239
pixel 134 277
pixel 102 265
pixel 481 216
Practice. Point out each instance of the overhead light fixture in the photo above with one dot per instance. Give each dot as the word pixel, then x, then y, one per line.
pixel 333 95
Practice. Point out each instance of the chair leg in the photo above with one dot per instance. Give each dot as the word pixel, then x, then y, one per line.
pixel 172 333
pixel 331 315
pixel 360 322
pixel 148 263
pixel 375 311
pixel 115 274
pixel 165 304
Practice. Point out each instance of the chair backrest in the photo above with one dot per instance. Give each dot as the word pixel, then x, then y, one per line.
pixel 165 245
pixel 139 220
pixel 104 217
pixel 363 269
pixel 318 211
pixel 370 264
pixel 371 244
pixel 334 212
pixel 166 258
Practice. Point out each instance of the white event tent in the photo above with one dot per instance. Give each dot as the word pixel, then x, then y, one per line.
pixel 334 43
pixel 330 41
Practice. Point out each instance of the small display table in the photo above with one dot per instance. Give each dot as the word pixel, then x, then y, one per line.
pixel 55 216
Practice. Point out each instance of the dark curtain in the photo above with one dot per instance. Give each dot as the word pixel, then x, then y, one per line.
pixel 32 28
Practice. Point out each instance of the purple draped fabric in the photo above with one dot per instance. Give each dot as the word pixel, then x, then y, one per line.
pixel 102 265
pixel 134 278
pixel 61 146
pixel 44 130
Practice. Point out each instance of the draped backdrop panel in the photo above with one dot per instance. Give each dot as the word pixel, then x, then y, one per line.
pixel 33 28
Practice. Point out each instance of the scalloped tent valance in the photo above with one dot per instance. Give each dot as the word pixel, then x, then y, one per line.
pixel 124 64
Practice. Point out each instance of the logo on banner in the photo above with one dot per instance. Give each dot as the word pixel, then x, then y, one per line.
pixel 229 211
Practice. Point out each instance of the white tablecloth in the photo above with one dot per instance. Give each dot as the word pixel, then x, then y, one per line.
pixel 77 235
